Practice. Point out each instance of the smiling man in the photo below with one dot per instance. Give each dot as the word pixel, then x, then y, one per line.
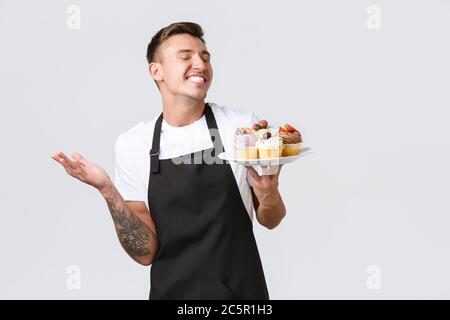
pixel 191 221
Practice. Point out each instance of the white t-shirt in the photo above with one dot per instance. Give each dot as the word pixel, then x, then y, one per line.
pixel 132 160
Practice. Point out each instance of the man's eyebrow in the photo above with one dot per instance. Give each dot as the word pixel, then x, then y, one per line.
pixel 190 51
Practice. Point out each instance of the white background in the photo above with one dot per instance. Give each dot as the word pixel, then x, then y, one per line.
pixel 372 103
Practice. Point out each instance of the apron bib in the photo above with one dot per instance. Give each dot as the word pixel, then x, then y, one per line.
pixel 207 249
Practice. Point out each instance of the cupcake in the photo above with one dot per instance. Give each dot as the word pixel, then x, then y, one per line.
pixel 270 148
pixel 291 140
pixel 267 133
pixel 269 143
pixel 245 144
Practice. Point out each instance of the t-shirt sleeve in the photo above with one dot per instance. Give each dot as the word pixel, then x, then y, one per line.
pixel 126 179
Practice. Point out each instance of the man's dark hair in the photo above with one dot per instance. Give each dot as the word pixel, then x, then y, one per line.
pixel 191 28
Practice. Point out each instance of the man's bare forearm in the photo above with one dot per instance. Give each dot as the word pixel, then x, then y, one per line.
pixel 135 236
pixel 271 210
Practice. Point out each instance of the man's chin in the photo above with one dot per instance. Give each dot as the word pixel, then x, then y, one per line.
pixel 197 96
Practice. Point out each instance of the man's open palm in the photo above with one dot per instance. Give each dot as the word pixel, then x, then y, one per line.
pixel 83 170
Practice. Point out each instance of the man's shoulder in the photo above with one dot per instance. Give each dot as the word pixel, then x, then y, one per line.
pixel 140 132
pixel 232 115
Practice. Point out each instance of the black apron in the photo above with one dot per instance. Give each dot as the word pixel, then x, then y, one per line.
pixel 207 249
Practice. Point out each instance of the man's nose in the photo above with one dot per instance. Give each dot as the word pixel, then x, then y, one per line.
pixel 199 63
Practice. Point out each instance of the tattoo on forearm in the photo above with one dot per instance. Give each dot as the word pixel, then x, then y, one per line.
pixel 130 231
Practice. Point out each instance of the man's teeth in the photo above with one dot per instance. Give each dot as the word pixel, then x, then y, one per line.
pixel 196 79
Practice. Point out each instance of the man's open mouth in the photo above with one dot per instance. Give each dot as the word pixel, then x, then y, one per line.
pixel 197 79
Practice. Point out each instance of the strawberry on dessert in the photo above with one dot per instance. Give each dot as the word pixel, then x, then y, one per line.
pixel 262 124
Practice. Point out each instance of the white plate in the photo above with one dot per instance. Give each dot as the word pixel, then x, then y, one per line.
pixel 264 162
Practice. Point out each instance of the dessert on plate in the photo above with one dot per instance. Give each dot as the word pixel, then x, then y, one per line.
pixel 245 144
pixel 292 140
pixel 262 141
pixel 270 144
pixel 270 148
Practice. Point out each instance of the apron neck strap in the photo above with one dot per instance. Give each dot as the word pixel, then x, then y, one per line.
pixel 212 128
pixel 213 131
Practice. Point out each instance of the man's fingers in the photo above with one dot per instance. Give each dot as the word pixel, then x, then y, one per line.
pixel 61 161
pixel 79 158
pixel 279 170
pixel 252 172
pixel 65 161
pixel 57 157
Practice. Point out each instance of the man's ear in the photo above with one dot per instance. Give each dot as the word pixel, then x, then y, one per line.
pixel 155 70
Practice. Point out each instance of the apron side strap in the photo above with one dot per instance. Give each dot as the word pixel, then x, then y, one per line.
pixel 154 152
pixel 154 161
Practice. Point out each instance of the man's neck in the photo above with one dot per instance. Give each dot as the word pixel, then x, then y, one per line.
pixel 182 113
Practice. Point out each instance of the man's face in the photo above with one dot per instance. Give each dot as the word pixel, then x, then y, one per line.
pixel 183 67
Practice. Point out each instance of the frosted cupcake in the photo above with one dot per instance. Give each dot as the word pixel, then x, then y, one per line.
pixel 269 143
pixel 245 144
pixel 267 133
pixel 292 140
pixel 270 148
